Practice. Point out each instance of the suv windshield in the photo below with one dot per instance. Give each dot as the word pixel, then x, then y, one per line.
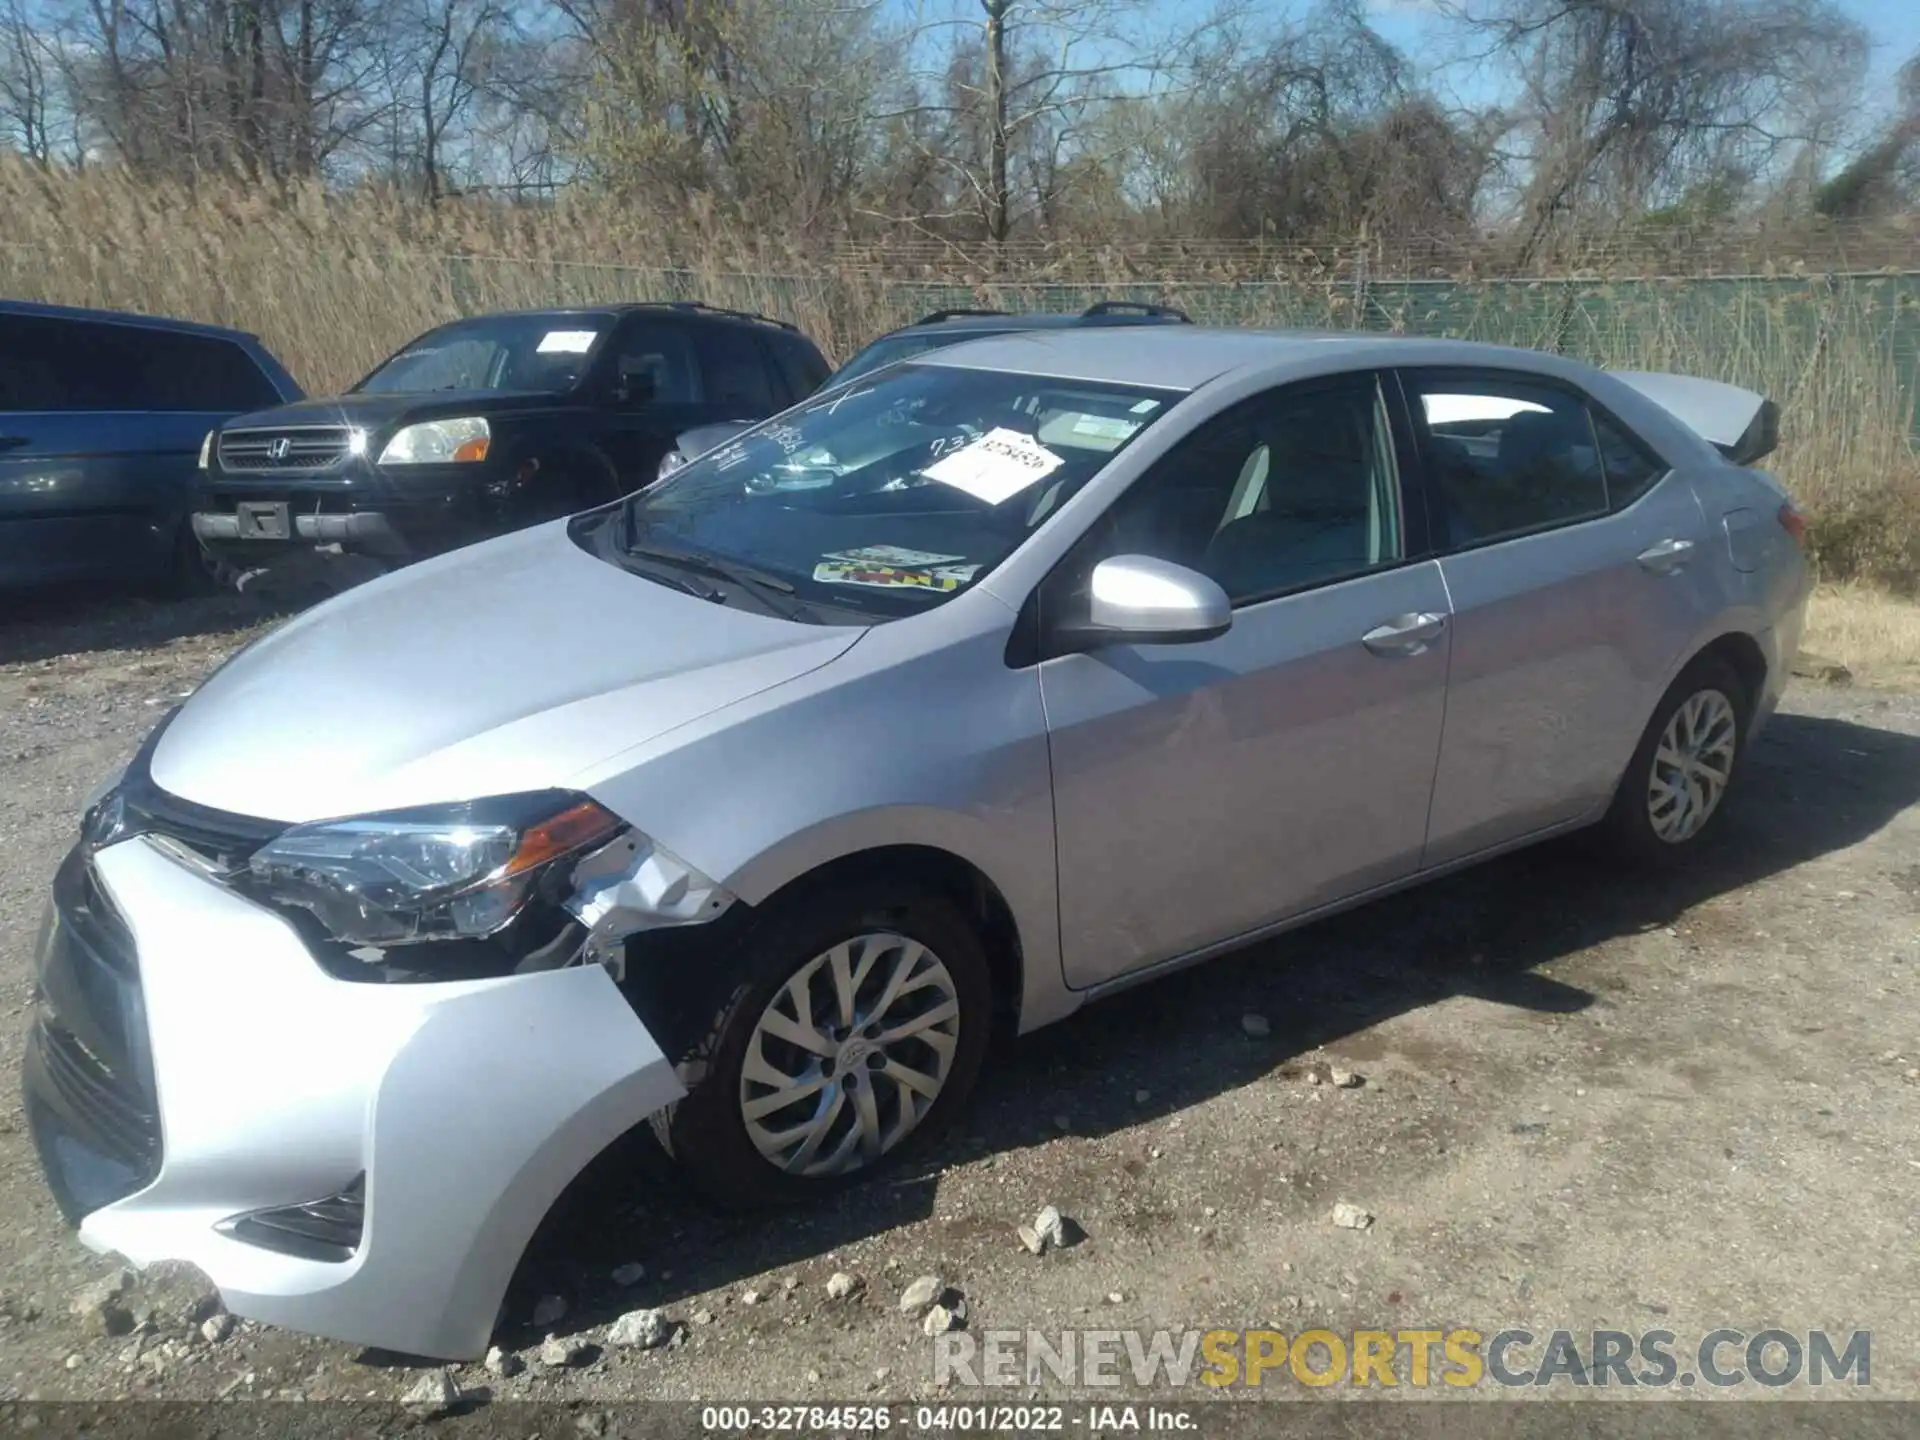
pixel 498 352
pixel 896 493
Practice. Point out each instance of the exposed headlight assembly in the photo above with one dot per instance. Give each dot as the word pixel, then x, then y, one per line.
pixel 439 442
pixel 452 872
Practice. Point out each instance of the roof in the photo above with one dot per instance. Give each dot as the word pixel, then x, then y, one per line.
pixel 997 322
pixel 1185 357
pixel 120 317
pixel 696 308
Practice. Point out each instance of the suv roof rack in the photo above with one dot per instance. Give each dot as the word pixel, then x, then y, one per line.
pixel 940 315
pixel 703 308
pixel 1135 307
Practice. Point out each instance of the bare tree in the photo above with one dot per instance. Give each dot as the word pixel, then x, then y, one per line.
pixel 1629 104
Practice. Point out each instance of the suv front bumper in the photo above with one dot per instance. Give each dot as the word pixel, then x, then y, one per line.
pixel 420 1131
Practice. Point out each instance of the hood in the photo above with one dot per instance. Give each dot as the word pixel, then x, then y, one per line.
pixel 375 409
pixel 506 666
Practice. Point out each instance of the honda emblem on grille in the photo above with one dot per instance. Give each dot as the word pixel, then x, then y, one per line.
pixel 279 448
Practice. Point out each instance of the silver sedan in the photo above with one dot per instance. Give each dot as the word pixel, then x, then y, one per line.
pixel 753 805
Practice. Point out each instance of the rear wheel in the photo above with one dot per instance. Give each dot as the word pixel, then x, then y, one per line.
pixel 1677 782
pixel 859 1025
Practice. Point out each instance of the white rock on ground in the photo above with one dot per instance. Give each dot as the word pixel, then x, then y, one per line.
pixel 939 1320
pixel 923 1292
pixel 1351 1217
pixel 645 1329
pixel 101 1293
pixel 434 1393
pixel 1345 1079
pixel 840 1285
pixel 216 1328
pixel 503 1363
pixel 1030 1240
pixel 558 1354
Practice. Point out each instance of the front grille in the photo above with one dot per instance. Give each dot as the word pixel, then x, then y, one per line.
pixel 301 447
pixel 116 1111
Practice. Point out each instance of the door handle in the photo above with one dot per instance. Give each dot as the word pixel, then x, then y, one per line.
pixel 1405 634
pixel 1665 556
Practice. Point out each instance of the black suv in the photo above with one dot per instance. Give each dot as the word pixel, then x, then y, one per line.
pixel 489 424
pixel 935 331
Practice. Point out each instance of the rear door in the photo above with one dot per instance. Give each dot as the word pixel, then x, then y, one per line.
pixel 100 432
pixel 700 372
pixel 1577 570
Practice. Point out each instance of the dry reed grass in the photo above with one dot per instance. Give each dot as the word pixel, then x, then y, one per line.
pixel 1874 634
pixel 334 282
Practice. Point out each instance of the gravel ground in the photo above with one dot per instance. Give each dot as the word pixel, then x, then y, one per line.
pixel 1585 1100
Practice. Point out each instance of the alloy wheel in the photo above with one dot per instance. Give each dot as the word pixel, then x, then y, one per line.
pixel 1692 766
pixel 850 1055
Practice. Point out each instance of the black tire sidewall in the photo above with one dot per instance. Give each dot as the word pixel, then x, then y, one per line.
pixel 1628 824
pixel 705 1132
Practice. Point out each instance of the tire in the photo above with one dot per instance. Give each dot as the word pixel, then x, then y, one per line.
pixel 1706 702
pixel 709 1133
pixel 196 570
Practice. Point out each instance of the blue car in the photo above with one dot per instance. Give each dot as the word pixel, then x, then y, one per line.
pixel 103 417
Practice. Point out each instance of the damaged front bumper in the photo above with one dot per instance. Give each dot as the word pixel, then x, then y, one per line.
pixel 360 1161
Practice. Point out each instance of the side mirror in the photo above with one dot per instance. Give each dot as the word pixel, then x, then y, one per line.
pixel 635 388
pixel 1139 600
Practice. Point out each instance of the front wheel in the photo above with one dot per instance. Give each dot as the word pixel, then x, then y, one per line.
pixel 860 1023
pixel 1677 782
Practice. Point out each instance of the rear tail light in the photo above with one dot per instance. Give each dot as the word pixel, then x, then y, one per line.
pixel 1794 523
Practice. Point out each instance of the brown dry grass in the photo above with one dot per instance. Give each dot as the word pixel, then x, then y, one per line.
pixel 333 283
pixel 1874 634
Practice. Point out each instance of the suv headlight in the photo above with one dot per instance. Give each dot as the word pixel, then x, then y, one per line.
pixel 445 872
pixel 439 442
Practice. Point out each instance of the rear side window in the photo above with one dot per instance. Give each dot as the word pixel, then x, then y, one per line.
pixel 661 351
pixel 802 366
pixel 50 364
pixel 735 370
pixel 1504 456
pixel 1631 468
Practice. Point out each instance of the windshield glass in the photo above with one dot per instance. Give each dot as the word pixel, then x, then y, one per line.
pixel 895 493
pixel 498 352
pixel 889 348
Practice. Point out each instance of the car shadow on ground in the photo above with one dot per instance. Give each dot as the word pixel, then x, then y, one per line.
pixel 48 625
pixel 1812 786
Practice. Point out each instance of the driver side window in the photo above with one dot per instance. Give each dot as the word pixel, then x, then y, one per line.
pixel 1290 489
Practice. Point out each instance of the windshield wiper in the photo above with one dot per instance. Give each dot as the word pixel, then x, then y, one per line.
pixel 770 590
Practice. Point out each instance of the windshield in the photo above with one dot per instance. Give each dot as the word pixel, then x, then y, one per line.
pixel 891 495
pixel 498 352
pixel 889 348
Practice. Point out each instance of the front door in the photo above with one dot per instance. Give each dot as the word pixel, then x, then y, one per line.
pixel 1204 790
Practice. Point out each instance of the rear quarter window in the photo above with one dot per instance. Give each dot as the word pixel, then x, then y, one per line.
pixel 51 364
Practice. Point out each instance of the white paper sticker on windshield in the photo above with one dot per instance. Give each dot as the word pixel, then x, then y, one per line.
pixel 1000 464
pixel 567 342
pixel 890 555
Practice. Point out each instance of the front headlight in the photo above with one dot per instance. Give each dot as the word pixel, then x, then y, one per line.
pixel 452 872
pixel 439 442
pixel 206 450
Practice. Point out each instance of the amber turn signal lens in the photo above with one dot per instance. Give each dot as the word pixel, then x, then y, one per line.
pixel 474 449
pixel 1794 523
pixel 568 831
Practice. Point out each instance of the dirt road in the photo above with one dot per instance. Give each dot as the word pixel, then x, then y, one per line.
pixel 1588 1101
